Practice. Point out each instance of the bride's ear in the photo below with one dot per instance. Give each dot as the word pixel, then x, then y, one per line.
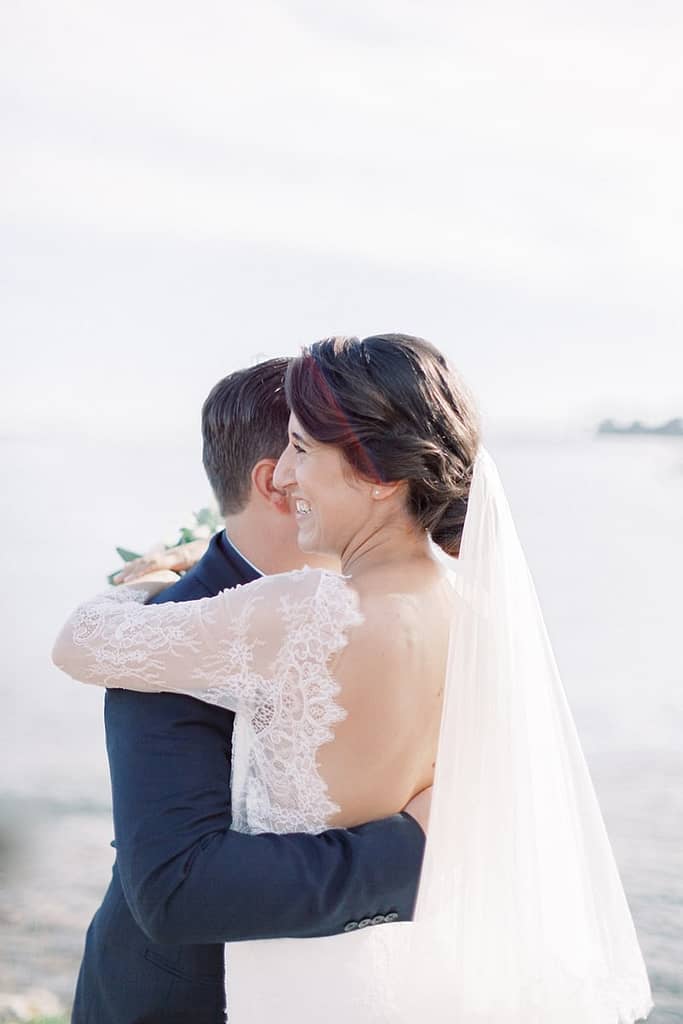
pixel 382 491
pixel 262 484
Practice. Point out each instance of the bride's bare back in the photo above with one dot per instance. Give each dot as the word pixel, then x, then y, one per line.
pixel 391 676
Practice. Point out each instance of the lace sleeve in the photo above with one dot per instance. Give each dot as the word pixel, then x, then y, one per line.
pixel 226 650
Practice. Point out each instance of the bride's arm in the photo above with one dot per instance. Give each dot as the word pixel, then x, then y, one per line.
pixel 117 641
pixel 219 649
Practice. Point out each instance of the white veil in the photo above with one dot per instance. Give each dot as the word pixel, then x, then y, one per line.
pixel 521 915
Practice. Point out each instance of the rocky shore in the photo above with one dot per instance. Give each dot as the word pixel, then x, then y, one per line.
pixel 56 862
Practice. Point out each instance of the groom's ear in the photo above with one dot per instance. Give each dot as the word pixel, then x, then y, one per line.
pixel 262 484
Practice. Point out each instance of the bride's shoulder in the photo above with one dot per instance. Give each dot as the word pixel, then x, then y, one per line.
pixel 308 584
pixel 330 594
pixel 319 602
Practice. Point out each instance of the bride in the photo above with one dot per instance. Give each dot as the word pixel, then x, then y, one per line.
pixel 346 686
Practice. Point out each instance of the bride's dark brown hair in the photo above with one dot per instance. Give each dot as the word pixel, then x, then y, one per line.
pixel 397 411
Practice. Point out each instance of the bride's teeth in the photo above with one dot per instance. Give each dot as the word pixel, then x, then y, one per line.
pixel 302 506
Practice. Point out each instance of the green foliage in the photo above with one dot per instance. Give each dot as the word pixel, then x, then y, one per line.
pixel 208 517
pixel 126 555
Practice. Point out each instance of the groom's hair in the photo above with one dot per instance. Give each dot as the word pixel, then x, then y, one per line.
pixel 244 420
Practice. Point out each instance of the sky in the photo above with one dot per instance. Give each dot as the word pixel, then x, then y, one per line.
pixel 187 188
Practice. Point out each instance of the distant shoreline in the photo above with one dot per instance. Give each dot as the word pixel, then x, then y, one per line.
pixel 672 428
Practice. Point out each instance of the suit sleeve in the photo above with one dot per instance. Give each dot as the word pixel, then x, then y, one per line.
pixel 229 887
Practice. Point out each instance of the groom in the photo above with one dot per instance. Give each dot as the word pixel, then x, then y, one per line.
pixel 183 883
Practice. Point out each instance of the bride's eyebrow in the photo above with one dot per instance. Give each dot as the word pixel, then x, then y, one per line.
pixel 299 437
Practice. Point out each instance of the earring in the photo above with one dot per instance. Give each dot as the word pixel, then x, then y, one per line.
pixel 376 492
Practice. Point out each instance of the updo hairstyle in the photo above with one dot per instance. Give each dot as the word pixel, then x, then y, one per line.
pixel 397 411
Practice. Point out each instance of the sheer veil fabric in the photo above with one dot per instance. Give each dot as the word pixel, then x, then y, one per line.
pixel 521 914
pixel 521 917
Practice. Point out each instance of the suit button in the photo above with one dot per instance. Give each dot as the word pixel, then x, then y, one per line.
pixel 351 926
pixel 393 916
pixel 364 923
pixel 380 919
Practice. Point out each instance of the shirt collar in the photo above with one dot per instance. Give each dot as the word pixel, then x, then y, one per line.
pixel 239 554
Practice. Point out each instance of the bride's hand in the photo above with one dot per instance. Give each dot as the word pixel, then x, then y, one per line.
pixel 177 559
pixel 153 582
pixel 419 807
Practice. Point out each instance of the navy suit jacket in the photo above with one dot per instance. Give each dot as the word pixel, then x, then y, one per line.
pixel 183 883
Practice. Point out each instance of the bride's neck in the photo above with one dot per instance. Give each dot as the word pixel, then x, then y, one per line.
pixel 388 546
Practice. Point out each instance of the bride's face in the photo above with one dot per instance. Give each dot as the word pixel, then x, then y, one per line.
pixel 332 503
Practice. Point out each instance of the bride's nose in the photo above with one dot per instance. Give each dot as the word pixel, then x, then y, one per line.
pixel 283 475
